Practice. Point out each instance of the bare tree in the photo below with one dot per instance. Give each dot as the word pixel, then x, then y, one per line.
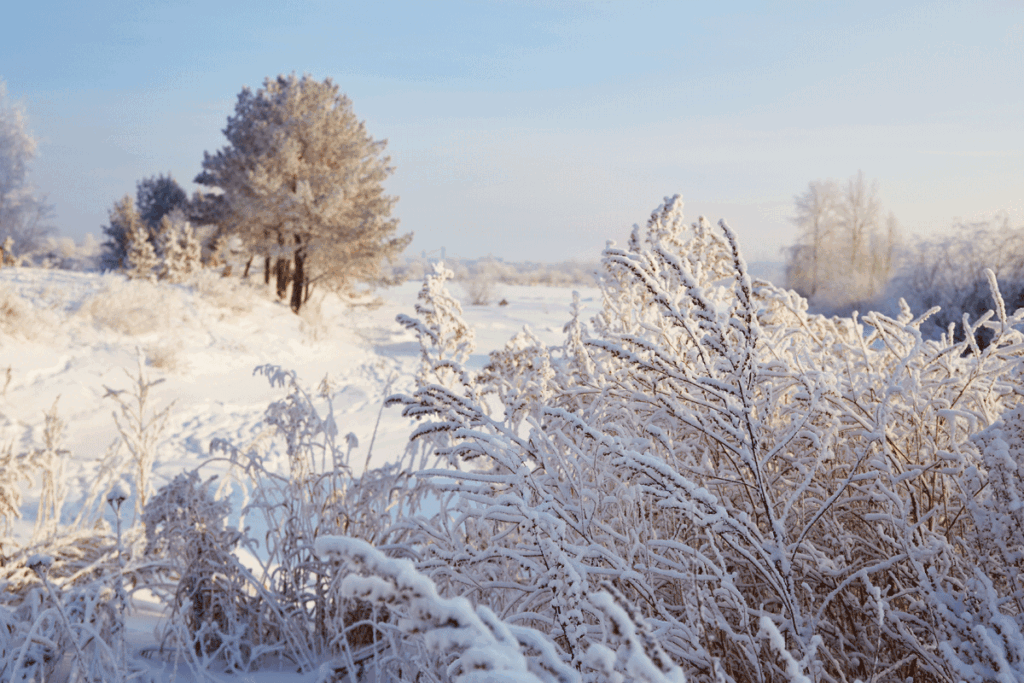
pixel 843 254
pixel 817 217
pixel 861 213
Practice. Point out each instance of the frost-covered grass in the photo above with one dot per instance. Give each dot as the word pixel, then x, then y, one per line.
pixel 692 480
pixel 200 341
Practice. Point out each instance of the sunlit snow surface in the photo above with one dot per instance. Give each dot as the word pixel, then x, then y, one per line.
pixel 80 332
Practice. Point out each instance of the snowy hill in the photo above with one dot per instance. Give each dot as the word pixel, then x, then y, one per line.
pixel 68 336
pixel 76 333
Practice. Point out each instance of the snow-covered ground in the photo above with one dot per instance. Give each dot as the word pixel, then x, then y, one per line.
pixel 68 337
pixel 83 332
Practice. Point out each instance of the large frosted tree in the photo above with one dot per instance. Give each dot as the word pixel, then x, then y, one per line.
pixel 302 185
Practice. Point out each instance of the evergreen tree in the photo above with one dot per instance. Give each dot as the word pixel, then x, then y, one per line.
pixel 302 184
pixel 141 260
pixel 156 197
pixel 115 249
pixel 192 250
pixel 169 239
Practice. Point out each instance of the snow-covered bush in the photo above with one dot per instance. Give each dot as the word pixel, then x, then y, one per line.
pixel 949 271
pixel 227 614
pixel 64 254
pixel 132 307
pixel 189 556
pixel 780 495
pixel 60 633
pixel 480 289
pixel 19 318
pixel 232 296
pixel 481 285
pixel 61 615
pixel 448 639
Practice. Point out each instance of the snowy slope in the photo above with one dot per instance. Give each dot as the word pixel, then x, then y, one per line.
pixel 73 335
pixel 68 337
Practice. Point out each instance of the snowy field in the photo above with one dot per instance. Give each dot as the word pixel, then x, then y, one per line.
pixel 85 332
pixel 68 337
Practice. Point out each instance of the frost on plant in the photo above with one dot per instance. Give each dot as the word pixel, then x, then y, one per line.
pixel 702 482
pixel 779 495
pixel 61 608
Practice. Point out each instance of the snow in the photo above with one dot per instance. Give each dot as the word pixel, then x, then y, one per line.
pixel 648 495
pixel 76 335
pixel 206 350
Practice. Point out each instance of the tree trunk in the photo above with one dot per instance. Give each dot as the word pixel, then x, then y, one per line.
pixel 281 268
pixel 248 264
pixel 266 270
pixel 298 279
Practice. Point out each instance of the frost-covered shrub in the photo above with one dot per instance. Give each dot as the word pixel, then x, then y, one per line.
pixel 189 546
pixel 481 284
pixel 20 319
pixel 60 633
pixel 230 295
pixel 165 356
pixel 779 495
pixel 64 254
pixel 949 271
pixel 298 485
pixel 141 428
pixel 480 289
pixel 446 340
pixel 448 639
pixel 133 307
pixel 60 606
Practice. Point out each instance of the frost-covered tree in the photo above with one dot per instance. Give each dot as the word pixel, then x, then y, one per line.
pixel 302 184
pixel 845 249
pixel 115 248
pixel 25 215
pixel 180 250
pixel 817 218
pixel 192 250
pixel 172 250
pixel 157 196
pixel 140 259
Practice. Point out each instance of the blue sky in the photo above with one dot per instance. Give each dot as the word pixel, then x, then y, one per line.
pixel 539 130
